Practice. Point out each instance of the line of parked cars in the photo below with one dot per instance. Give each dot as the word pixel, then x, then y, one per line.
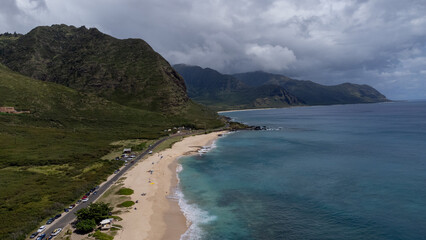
pixel 55 232
pixel 43 235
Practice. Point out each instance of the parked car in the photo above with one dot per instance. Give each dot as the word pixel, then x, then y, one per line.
pixel 50 237
pixel 50 221
pixel 34 235
pixel 66 210
pixel 56 231
pixel 95 192
pixel 58 216
pixel 41 229
pixel 85 200
pixel 41 236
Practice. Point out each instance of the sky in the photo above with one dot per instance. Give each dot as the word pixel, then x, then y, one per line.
pixel 381 43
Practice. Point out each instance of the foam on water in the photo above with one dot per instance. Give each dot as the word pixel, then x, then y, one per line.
pixel 207 148
pixel 194 215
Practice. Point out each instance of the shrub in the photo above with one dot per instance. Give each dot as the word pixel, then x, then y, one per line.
pixel 126 204
pixel 117 218
pixel 102 236
pixel 125 191
pixel 86 225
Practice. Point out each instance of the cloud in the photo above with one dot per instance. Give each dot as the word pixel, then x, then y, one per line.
pixel 380 43
pixel 30 4
pixel 270 57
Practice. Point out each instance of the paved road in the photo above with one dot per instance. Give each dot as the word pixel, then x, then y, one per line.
pixel 69 217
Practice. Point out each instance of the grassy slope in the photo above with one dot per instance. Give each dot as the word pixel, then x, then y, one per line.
pixel 50 157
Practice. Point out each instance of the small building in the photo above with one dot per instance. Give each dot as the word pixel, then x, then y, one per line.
pixel 127 150
pixel 106 223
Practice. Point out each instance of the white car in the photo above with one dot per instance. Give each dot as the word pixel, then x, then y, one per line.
pixel 85 200
pixel 150 152
pixel 56 231
pixel 41 229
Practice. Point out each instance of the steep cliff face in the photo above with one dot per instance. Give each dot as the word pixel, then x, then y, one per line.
pixel 126 71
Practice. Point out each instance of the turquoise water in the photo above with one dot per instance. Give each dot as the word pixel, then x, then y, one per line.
pixel 326 172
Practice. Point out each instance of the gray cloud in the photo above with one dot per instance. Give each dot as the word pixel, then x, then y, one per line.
pixel 381 42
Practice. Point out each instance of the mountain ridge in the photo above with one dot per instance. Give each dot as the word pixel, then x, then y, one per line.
pixel 303 92
pixel 225 92
pixel 313 93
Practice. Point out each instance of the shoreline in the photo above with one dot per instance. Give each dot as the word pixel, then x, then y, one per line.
pixel 243 110
pixel 157 215
pixel 320 105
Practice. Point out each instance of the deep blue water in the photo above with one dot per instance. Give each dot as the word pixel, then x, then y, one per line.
pixel 326 172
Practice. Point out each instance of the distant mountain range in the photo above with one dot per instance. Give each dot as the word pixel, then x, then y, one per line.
pixel 261 89
pixel 223 92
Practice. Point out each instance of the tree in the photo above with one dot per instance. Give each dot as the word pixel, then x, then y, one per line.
pixel 96 211
pixel 86 225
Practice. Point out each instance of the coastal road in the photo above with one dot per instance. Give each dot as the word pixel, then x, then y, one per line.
pixel 69 217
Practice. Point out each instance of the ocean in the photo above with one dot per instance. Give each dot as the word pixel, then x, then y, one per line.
pixel 323 172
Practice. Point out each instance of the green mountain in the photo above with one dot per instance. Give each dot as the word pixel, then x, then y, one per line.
pixel 313 93
pixel 222 92
pixel 126 71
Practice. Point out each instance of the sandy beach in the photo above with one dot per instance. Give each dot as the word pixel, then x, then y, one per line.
pixel 155 215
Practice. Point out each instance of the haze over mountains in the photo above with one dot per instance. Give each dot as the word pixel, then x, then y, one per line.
pixel 261 89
